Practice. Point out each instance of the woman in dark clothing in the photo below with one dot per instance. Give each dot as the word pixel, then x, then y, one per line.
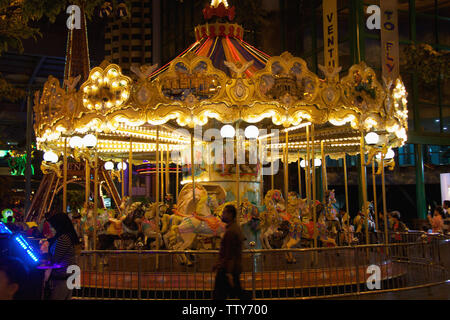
pixel 62 253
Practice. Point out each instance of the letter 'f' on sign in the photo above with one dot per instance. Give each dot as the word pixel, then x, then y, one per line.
pixel 74 19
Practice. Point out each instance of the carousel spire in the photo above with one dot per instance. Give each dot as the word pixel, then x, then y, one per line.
pixel 77 53
pixel 215 3
pixel 220 9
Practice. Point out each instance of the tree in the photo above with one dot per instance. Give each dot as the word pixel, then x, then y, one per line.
pixel 16 20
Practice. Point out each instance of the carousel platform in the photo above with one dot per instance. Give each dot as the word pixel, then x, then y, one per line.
pixel 268 276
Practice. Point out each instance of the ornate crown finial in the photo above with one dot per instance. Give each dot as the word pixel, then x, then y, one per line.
pixel 219 8
pixel 215 3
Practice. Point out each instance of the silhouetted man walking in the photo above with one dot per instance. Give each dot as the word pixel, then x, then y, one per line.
pixel 229 266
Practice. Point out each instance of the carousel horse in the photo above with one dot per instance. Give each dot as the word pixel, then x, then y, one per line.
pixel 332 221
pixel 360 222
pixel 132 224
pixel 271 220
pixel 149 226
pixel 249 221
pixel 292 226
pixel 201 223
pixel 181 210
pixel 348 231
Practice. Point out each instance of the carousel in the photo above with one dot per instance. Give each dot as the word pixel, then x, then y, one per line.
pixel 224 117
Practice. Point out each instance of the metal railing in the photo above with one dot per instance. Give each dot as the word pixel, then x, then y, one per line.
pixel 317 272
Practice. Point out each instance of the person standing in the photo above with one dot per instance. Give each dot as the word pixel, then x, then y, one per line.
pixel 62 250
pixel 229 264
pixel 437 221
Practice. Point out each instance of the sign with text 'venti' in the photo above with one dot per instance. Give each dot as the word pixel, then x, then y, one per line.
pixel 330 34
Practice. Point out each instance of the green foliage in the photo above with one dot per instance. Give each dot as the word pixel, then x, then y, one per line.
pixel 16 18
pixel 75 199
pixel 428 63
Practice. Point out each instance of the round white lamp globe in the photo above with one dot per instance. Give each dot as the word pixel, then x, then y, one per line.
pixel 89 140
pixel 317 162
pixel 50 156
pixel 119 166
pixel 76 142
pixel 372 138
pixel 109 165
pixel 302 163
pixel 390 154
pixel 227 131
pixel 251 132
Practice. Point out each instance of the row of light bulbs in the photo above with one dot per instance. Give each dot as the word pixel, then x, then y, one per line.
pixel 88 141
pixel 109 165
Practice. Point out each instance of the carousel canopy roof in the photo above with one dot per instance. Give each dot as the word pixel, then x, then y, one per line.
pixel 221 78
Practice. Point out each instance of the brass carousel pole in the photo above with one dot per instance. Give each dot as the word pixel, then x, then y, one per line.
pixel 272 184
pixel 95 197
pixel 286 169
pixel 299 171
pixel 364 186
pixel 238 174
pixel 167 171
pixel 130 170
pixel 87 170
pixel 383 191
pixel 375 194
pixel 192 167
pixel 324 171
pixel 162 174
pixel 157 193
pixel 261 181
pixel 177 183
pixel 123 180
pixel 307 172
pixel 346 190
pixel 313 185
pixel 65 176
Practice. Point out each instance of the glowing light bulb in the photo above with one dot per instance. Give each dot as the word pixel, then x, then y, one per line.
pixel 227 131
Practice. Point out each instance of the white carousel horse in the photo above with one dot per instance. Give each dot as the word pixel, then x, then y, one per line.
pixel 150 227
pixel 200 223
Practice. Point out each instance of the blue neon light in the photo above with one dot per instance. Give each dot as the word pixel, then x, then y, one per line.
pixel 21 241
pixel 28 249
pixel 4 229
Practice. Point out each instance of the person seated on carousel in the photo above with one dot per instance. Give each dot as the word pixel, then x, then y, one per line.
pixel 324 236
pixel 437 220
pixel 398 226
pixel 347 234
pixel 358 224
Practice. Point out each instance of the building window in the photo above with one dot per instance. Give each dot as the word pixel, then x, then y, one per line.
pixel 406 155
pixel 136 59
pixel 125 48
pixel 437 155
pixel 125 37
pixel 136 36
pixel 136 48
